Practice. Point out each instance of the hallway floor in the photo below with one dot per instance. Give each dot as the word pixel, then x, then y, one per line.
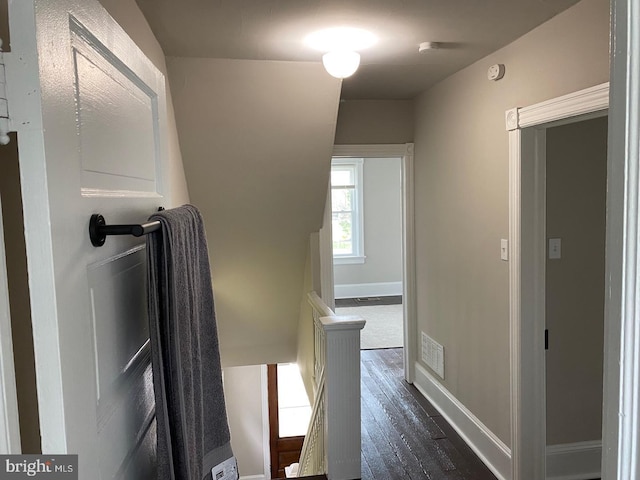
pixel 403 435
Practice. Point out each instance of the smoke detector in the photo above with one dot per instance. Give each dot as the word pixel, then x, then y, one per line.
pixel 424 46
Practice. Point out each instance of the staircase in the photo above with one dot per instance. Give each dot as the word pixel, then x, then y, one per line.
pixel 332 443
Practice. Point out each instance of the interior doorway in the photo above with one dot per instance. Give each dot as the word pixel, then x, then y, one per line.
pixel 366 204
pixel 19 343
pixel 403 152
pixel 289 415
pixel 576 181
pixel 528 127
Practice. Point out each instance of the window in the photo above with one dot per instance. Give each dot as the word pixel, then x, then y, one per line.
pixel 346 210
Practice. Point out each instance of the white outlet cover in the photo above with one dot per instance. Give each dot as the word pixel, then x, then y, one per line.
pixel 555 248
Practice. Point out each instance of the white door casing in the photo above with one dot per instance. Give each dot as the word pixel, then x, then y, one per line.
pixel 405 152
pixel 621 415
pixel 527 186
pixel 90 113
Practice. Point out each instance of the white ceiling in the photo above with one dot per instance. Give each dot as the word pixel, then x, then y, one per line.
pixel 393 69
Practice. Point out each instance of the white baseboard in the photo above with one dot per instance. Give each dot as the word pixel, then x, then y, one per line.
pixel 254 477
pixel 355 290
pixel 574 461
pixel 491 450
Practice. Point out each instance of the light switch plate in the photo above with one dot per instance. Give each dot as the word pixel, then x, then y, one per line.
pixel 555 248
pixel 504 249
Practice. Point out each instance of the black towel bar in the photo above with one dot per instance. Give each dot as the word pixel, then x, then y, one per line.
pixel 98 229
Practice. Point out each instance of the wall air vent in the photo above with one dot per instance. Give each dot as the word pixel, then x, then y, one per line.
pixel 433 355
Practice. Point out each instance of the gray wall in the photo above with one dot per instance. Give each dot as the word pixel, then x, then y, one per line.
pixel 374 122
pixel 382 207
pixel 256 139
pixel 576 200
pixel 461 197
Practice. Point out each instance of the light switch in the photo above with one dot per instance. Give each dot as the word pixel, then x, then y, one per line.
pixel 555 248
pixel 504 249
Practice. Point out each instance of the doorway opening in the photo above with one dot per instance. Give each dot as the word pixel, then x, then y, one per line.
pixel 393 289
pixel 366 207
pixel 23 357
pixel 528 128
pixel 289 416
pixel 576 180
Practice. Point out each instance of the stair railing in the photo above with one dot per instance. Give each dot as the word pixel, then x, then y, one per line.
pixel 332 445
pixel 312 455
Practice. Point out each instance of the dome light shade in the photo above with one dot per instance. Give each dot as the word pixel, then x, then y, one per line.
pixel 341 63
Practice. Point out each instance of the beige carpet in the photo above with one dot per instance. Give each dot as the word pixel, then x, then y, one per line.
pixel 383 328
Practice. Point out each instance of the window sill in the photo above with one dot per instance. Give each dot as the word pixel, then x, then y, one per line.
pixel 348 260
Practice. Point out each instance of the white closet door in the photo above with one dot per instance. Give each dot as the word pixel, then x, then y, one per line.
pixel 90 112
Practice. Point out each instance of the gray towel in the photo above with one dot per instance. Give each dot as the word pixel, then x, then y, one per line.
pixel 193 432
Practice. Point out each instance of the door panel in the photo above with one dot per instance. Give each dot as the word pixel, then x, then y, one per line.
pixel 124 420
pixel 90 112
pixel 118 316
pixel 131 119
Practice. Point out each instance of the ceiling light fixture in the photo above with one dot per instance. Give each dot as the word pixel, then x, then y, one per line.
pixel 342 45
pixel 341 63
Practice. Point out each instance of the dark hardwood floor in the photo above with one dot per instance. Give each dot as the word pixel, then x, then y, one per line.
pixel 403 435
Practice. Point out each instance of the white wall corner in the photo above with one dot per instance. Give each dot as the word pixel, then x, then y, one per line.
pixel 489 448
pixel 326 254
pixel 574 461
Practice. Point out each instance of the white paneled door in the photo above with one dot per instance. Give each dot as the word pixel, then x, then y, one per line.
pixel 89 109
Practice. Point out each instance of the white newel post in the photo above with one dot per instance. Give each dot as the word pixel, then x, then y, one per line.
pixel 342 396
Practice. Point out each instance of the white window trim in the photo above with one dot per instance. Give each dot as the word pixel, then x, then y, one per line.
pixel 358 233
pixel 349 259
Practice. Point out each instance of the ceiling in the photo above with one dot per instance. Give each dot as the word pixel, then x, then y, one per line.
pixel 393 69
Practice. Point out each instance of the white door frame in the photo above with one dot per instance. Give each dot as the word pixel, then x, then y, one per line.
pixel 405 152
pixel 621 432
pixel 527 187
pixel 9 424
